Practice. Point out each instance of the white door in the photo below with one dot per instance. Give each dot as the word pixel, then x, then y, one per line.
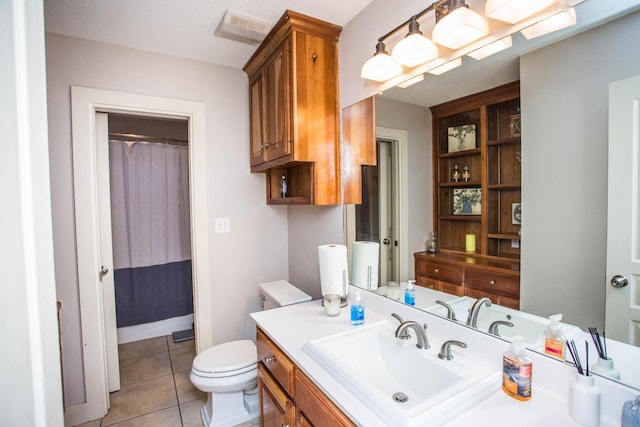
pixel 385 209
pixel 622 319
pixel 106 251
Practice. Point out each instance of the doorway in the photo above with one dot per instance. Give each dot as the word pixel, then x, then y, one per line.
pixel 150 225
pixel 97 329
pixel 381 216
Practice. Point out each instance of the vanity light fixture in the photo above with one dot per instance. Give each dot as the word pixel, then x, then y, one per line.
pixel 457 25
pixel 513 11
pixel 563 19
pixel 460 31
pixel 491 48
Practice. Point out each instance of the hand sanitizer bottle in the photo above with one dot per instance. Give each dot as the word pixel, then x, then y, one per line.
pixel 357 311
pixel 409 293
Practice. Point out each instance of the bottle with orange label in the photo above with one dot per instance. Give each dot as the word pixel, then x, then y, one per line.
pixel 554 340
pixel 516 371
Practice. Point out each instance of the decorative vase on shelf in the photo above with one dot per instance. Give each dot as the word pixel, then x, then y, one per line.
pixel 605 368
pixel 584 401
pixel 432 243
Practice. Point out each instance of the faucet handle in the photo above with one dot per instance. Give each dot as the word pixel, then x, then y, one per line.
pixel 445 350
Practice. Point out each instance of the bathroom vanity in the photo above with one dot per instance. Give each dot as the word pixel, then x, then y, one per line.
pixel 296 388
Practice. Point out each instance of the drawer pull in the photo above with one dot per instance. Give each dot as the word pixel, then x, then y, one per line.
pixel 492 282
pixel 435 270
pixel 269 359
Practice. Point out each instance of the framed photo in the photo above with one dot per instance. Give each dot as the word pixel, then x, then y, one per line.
pixel 461 138
pixel 516 213
pixel 467 201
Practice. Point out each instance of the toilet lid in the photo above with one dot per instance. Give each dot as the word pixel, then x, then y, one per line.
pixel 226 357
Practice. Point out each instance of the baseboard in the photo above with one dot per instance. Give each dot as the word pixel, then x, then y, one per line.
pixel 154 329
pixel 75 415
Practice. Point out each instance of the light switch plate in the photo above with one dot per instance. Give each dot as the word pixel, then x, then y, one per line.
pixel 222 225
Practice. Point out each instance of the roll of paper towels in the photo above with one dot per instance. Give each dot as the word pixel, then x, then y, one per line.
pixel 333 269
pixel 365 257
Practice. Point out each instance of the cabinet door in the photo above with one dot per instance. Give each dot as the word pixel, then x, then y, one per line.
pixel 276 409
pixel 258 120
pixel 277 78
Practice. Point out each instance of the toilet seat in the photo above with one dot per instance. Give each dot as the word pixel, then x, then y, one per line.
pixel 226 360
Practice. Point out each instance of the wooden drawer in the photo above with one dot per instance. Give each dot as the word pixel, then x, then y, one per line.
pixel 274 359
pixel 437 271
pixel 493 283
pixel 315 407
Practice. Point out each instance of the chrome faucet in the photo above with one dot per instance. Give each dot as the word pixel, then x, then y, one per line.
pixel 405 334
pixel 450 313
pixel 493 329
pixel 421 335
pixel 472 320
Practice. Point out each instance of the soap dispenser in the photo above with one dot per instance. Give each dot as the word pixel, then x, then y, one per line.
pixel 554 340
pixel 409 293
pixel 357 311
pixel 516 370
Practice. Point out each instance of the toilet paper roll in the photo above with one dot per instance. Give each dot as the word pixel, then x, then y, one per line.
pixel 333 269
pixel 364 255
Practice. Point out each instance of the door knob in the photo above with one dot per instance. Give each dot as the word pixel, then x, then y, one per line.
pixel 386 241
pixel 619 281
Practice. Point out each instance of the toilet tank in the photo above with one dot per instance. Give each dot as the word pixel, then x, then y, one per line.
pixel 281 293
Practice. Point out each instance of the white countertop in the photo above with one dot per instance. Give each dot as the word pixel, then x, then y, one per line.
pixel 291 327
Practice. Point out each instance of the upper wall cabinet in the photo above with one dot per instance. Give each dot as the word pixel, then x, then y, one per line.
pixel 294 111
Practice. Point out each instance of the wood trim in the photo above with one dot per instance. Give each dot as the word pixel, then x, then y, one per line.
pixel 358 145
pixel 477 100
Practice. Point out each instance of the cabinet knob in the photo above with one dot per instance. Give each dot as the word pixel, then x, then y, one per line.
pixel 435 270
pixel 269 359
pixel 492 282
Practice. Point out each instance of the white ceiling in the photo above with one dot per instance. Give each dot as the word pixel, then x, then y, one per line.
pixel 183 28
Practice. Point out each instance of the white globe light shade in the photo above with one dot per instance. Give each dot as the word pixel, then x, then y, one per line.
pixel 459 27
pixel 513 11
pixel 381 67
pixel 413 50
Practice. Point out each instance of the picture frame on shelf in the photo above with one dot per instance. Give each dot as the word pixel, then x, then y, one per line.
pixel 467 201
pixel 461 138
pixel 516 213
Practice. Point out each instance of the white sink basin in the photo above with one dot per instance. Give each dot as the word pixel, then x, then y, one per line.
pixel 375 366
pixel 529 326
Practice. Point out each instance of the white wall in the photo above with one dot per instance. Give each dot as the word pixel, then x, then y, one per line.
pixel 30 385
pixel 564 91
pixel 256 249
pixel 310 227
pixel 416 121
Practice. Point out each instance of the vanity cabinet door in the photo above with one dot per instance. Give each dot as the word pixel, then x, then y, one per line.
pixel 314 408
pixel 276 409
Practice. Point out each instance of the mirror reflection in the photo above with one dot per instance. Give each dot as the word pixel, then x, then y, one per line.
pixel 565 104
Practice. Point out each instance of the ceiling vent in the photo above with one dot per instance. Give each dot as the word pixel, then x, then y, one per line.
pixel 243 28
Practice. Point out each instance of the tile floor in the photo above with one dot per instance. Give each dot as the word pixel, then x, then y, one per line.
pixel 155 390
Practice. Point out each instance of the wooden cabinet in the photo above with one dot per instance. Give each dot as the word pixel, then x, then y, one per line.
pixel 294 110
pixel 475 276
pixel 476 191
pixel 287 395
pixel 476 157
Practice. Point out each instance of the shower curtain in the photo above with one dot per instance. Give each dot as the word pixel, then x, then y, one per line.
pixel 150 231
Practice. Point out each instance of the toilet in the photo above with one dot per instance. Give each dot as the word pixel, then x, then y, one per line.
pixel 228 372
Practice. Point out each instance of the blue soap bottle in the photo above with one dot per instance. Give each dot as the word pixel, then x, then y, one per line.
pixel 357 311
pixel 409 294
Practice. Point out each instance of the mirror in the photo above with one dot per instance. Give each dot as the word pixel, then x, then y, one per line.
pixel 564 105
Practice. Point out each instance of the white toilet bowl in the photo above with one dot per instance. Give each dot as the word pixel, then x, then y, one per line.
pixel 228 374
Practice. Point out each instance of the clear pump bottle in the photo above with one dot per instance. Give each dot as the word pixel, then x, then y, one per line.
pixel 357 311
pixel 410 294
